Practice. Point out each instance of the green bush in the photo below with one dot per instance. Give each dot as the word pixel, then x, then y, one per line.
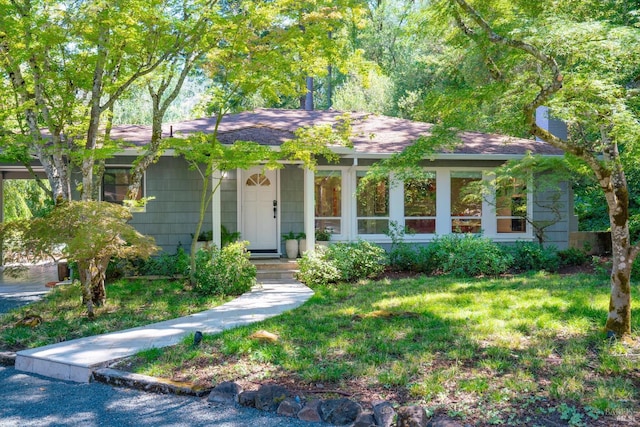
pixel 635 270
pixel 463 255
pixel 163 265
pixel 316 269
pixel 224 272
pixel 360 260
pixel 528 256
pixel 346 262
pixel 404 257
pixel 573 256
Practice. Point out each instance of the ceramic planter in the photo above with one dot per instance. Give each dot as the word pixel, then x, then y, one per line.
pixel 291 247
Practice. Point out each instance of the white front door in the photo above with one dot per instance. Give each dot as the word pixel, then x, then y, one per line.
pixel 260 210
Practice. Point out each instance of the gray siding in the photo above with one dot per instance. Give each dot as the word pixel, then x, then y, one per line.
pixel 544 205
pixel 172 216
pixel 558 128
pixel 291 200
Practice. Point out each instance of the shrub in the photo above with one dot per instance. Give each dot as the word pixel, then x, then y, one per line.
pixel 316 269
pixel 531 256
pixel 360 260
pixel 404 257
pixel 227 236
pixel 573 256
pixel 225 271
pixel 342 262
pixel 463 255
pixel 635 270
pixel 163 265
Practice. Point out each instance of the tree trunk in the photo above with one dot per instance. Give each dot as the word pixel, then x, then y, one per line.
pixel 204 199
pixel 92 277
pixel 84 272
pixel 623 253
pixel 619 318
pixel 150 156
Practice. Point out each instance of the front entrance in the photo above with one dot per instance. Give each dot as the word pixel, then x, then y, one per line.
pixel 260 210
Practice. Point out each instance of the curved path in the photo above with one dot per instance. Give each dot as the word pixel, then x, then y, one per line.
pixel 76 360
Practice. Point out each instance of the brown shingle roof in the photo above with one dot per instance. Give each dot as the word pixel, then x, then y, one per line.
pixel 372 134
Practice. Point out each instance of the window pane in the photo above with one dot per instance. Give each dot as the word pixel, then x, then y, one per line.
pixel 373 198
pixel 459 225
pixel 334 226
pixel 512 225
pixel 421 226
pixel 511 200
pixel 465 200
pixel 373 226
pixel 115 183
pixel 420 197
pixel 511 207
pixel 328 189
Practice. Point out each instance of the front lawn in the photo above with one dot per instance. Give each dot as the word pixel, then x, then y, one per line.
pixel 130 303
pixel 524 350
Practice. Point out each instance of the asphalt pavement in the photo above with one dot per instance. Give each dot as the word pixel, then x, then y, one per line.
pixel 30 400
pixel 25 288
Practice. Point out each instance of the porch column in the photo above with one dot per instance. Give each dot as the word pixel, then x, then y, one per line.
pixel 309 209
pixel 216 216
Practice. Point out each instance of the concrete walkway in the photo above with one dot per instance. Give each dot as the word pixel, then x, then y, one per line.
pixel 75 360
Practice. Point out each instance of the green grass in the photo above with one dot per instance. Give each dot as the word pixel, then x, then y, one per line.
pixel 489 350
pixel 130 303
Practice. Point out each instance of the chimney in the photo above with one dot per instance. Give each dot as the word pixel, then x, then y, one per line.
pixel 547 122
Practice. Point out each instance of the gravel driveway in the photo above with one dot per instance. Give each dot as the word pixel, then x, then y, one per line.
pixel 31 400
pixel 26 288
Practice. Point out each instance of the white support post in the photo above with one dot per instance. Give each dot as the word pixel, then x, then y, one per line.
pixel 309 209
pixel 443 205
pixel 216 216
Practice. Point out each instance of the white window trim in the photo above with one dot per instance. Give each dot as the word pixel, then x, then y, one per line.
pixel 345 197
pixel 443 207
pixel 382 238
pixel 507 237
pixel 402 223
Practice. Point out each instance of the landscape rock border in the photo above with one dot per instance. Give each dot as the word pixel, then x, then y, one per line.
pixel 7 358
pixel 275 398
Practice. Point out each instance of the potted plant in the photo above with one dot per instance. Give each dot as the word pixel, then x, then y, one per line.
pixel 227 236
pixel 323 236
pixel 302 242
pixel 291 245
pixel 204 239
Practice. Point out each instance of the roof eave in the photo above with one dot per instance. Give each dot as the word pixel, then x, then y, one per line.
pixel 350 153
pixel 451 156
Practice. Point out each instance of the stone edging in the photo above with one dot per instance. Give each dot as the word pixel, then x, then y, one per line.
pixel 274 398
pixel 147 383
pixel 7 358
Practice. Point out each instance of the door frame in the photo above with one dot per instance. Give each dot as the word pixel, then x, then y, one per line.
pixel 240 199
